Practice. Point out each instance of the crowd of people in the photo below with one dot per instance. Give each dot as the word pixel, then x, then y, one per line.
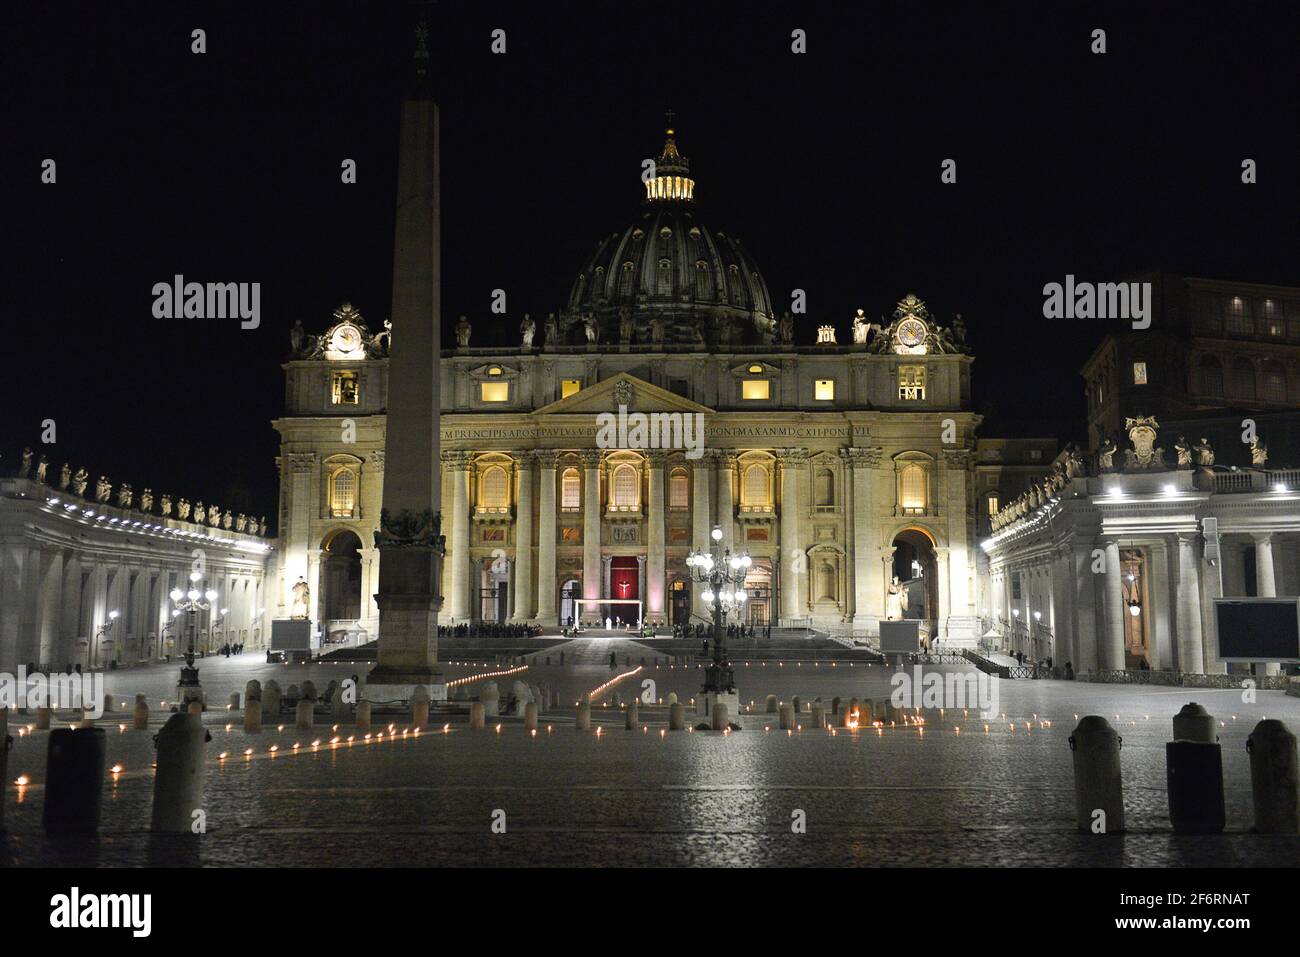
pixel 701 632
pixel 488 629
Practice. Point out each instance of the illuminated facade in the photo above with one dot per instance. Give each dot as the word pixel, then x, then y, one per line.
pixel 836 466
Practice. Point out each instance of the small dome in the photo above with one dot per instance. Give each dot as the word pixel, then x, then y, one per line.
pixel 667 277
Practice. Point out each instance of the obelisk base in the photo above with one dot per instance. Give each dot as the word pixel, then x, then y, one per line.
pixel 408 628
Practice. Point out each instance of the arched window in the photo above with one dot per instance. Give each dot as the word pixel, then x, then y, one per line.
pixel 1242 381
pixel 825 485
pixel 570 491
pixel 627 487
pixel 679 489
pixel 754 492
pixel 496 488
pixel 1274 381
pixel 1211 373
pixel 343 493
pixel 912 491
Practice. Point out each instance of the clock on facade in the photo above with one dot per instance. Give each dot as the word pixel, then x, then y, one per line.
pixel 909 336
pixel 346 339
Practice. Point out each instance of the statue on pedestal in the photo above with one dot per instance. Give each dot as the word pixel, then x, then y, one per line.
pixel 261 527
pixel 125 495
pixel 301 597
pixel 591 328
pixel 146 500
pixel 463 331
pixel 65 477
pixel 1106 455
pixel 625 325
pixel 165 506
pixel 527 329
pixel 183 510
pixel 80 481
pixel 895 600
pixel 785 328
pixel 227 520
pixel 861 329
pixel 1258 452
pixel 41 467
pixel 214 516
pixel 241 522
pixel 1184 453
pixel 1204 454
pixel 103 490
pixel 297 337
pixel 200 512
pixel 552 331
pixel 26 467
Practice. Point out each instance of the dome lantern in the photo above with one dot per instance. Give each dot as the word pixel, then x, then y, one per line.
pixel 672 180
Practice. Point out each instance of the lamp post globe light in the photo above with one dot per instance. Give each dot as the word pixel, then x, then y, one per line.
pixel 723 576
pixel 103 637
pixel 191 602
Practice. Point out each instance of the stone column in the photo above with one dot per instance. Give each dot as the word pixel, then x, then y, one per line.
pixel 640 583
pixel 863 462
pixel 944 592
pixel 655 565
pixel 521 582
pixel 1112 649
pixel 605 563
pixel 457 465
pixel 725 463
pixel 1085 609
pixel 701 478
pixel 1265 579
pixel 369 585
pixel 591 583
pixel 794 563
pixel 304 469
pixel 547 611
pixel 1212 577
pixel 1191 651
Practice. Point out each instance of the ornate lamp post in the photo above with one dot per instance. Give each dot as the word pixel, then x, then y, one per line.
pixel 723 575
pixel 192 602
pixel 102 637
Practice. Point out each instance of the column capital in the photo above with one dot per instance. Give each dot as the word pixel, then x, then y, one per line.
pixel 590 458
pixel 546 458
pixel 956 458
pixel 726 458
pixel 1262 538
pixel 302 462
pixel 524 458
pixel 457 460
pixel 863 458
pixel 656 459
pixel 791 457
pixel 1188 538
pixel 376 460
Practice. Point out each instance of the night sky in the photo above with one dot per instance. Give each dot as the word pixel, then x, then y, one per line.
pixel 224 167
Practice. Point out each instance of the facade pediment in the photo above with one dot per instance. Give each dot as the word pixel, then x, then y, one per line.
pixel 626 390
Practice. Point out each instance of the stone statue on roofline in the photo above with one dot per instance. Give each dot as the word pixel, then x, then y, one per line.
pixel 125 495
pixel 1258 452
pixel 165 506
pixel 590 327
pixel 103 490
pixel 785 328
pixel 146 500
pixel 463 332
pixel 1106 455
pixel 527 330
pixel 65 477
pixel 26 467
pixel 625 325
pixel 1204 454
pixel 41 467
pixel 1183 451
pixel 861 329
pixel 80 481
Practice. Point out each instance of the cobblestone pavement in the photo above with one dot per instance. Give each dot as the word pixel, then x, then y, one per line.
pixel 935 795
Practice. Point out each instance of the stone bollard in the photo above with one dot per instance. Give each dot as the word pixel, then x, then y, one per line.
pixel 252 716
pixel 866 713
pixel 1274 780
pixel 583 722
pixel 74 780
pixel 108 703
pixel 798 705
pixel 530 716
pixel 420 706
pixel 1097 780
pixel 720 716
pixel 633 715
pixel 178 782
pixel 363 715
pixel 140 715
pixel 672 698
pixel 1194 781
pixel 676 716
pixel 787 717
pixel 770 705
pixel 271 702
pixel 6 743
pixel 87 719
pixel 476 716
pixel 43 719
pixel 851 715
pixel 304 715
pixel 1194 723
pixel 491 698
pixel 309 691
pixel 195 707
pixel 835 706
pixel 253 690
pixel 234 701
pixel 818 714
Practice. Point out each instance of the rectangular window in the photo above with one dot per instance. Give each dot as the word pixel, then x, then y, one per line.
pixel 824 390
pixel 993 504
pixel 345 388
pixel 570 387
pixel 754 389
pixel 495 391
pixel 911 383
pixel 571 535
pixel 755 534
pixel 1139 373
pixel 1015 586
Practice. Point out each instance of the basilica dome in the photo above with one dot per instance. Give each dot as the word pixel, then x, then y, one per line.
pixel 668 278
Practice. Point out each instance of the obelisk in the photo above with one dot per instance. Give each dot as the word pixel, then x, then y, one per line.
pixel 409 540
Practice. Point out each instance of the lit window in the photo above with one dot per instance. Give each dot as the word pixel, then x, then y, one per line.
pixel 824 389
pixel 344 389
pixel 1139 373
pixel 754 389
pixel 627 488
pixel 912 491
pixel 570 491
pixel 756 369
pixel 343 493
pixel 495 391
pixel 754 493
pixel 911 382
pixel 569 387
pixel 495 488
pixel 993 504
pixel 679 489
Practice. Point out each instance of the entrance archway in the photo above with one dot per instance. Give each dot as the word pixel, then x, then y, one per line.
pixel 624 583
pixel 679 601
pixel 917 566
pixel 568 608
pixel 340 572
